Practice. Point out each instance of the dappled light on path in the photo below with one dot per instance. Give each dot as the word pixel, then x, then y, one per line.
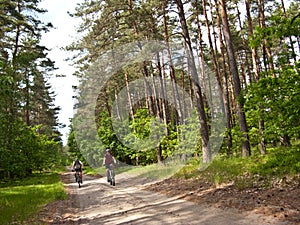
pixel 97 202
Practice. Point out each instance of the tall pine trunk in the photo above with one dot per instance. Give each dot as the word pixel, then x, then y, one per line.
pixel 268 58
pixel 256 75
pixel 225 88
pixel 246 151
pixel 255 62
pixel 245 48
pixel 177 101
pixel 206 151
pixel 290 38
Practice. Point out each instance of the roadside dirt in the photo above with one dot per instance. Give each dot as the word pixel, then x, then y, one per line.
pixel 136 200
pixel 281 202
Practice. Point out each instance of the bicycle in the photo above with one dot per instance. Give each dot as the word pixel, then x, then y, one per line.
pixel 77 177
pixel 111 175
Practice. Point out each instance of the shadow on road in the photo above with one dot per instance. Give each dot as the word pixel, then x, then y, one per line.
pixel 97 202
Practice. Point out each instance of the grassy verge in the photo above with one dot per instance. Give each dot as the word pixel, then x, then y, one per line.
pixel 90 171
pixel 257 170
pixel 21 199
pixel 153 171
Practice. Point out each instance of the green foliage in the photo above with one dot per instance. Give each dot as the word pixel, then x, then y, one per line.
pixel 29 138
pixel 169 143
pixel 276 100
pixel 109 139
pixel 73 149
pixel 278 162
pixel 181 140
pixel 279 26
pixel 144 137
pixel 188 137
pixel 141 129
pixel 141 126
pixel 22 199
pixel 236 140
pixel 29 151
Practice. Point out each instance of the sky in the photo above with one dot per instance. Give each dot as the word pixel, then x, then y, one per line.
pixel 62 35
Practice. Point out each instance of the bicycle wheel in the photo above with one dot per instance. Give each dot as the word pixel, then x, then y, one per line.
pixel 79 181
pixel 108 176
pixel 113 178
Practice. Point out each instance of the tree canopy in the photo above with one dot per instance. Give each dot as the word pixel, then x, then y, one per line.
pixel 29 134
pixel 250 47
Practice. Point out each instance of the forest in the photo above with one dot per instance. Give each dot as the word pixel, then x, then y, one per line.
pixel 225 80
pixel 209 87
pixel 216 77
pixel 29 130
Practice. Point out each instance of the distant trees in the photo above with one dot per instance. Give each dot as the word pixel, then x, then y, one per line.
pixel 251 47
pixel 28 131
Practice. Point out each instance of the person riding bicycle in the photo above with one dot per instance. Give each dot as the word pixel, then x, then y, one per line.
pixel 77 166
pixel 109 162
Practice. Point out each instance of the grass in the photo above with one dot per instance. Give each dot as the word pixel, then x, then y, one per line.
pixel 90 171
pixel 259 170
pixel 21 199
pixel 153 171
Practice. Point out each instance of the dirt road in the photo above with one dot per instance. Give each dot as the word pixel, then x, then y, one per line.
pixel 97 202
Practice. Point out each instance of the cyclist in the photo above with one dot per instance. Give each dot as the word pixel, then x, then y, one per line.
pixel 108 161
pixel 77 166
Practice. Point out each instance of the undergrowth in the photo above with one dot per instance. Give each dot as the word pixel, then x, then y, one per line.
pixel 24 198
pixel 256 170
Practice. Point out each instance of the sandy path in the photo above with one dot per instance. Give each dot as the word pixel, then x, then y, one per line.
pixel 97 202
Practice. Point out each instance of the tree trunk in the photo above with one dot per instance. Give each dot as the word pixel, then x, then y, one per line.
pixel 129 97
pixel 162 95
pixel 172 70
pixel 236 81
pixel 285 140
pixel 266 48
pixel 263 149
pixel 256 74
pixel 225 88
pixel 18 34
pixel 294 55
pixel 206 151
pixel 159 154
pixel 117 104
pixel 250 34
pixel 211 48
pixel 248 71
